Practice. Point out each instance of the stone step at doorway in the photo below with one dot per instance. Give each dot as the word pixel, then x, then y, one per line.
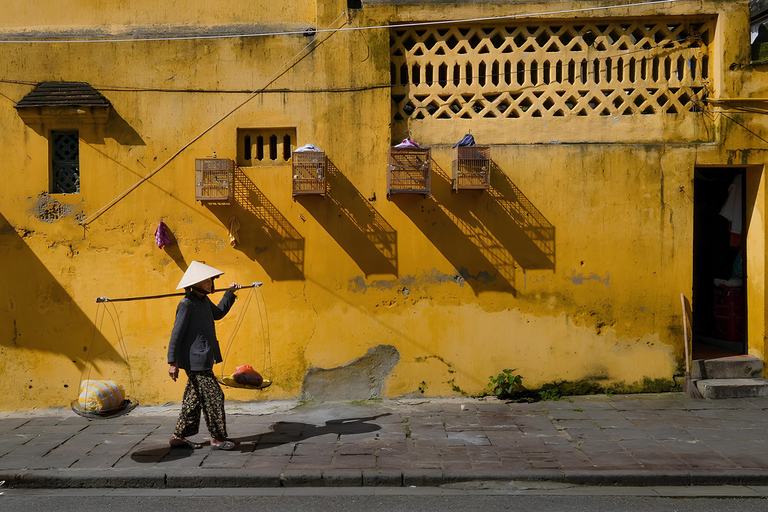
pixel 730 377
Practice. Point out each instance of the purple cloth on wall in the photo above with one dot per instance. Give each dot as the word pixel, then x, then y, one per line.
pixel 162 238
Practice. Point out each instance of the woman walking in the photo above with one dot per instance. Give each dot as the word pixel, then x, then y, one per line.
pixel 195 349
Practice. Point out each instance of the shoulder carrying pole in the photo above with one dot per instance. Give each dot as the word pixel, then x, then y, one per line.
pixel 255 284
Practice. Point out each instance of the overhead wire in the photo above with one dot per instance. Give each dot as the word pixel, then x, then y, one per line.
pixel 280 72
pixel 681 46
pixel 347 29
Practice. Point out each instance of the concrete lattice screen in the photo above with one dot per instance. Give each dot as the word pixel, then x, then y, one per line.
pixel 550 69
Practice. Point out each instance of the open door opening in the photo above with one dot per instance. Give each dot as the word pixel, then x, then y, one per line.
pixel 719 272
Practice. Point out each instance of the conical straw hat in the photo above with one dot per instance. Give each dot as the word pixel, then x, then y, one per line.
pixel 196 273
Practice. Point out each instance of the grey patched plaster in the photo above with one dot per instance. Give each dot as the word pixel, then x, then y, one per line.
pixel 360 379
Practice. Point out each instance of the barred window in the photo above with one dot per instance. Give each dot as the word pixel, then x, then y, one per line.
pixel 65 162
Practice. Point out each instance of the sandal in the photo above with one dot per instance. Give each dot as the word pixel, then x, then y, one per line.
pixel 224 445
pixel 187 444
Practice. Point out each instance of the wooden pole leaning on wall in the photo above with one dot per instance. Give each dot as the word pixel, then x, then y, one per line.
pixel 255 284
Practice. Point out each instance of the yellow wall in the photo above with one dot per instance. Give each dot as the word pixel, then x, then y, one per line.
pixel 461 284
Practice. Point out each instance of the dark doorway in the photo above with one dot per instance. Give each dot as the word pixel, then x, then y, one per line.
pixel 719 276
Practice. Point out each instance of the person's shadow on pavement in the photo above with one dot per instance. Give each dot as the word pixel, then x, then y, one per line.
pixel 282 432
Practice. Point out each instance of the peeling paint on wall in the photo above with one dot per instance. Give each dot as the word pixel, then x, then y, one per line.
pixel 360 379
pixel 580 278
pixel 427 278
pixel 48 209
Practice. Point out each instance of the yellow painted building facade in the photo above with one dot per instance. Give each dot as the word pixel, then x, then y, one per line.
pixel 569 267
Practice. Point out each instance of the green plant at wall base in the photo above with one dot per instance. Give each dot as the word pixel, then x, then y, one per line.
pixel 507 384
pixel 550 394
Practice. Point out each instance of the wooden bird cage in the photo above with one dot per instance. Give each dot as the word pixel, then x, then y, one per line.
pixel 409 170
pixel 309 173
pixel 471 168
pixel 215 180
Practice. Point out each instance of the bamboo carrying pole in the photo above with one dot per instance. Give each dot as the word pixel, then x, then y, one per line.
pixel 256 284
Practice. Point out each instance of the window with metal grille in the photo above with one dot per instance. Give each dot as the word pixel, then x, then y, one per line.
pixel 65 162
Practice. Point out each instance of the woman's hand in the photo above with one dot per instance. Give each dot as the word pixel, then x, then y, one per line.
pixel 234 286
pixel 173 371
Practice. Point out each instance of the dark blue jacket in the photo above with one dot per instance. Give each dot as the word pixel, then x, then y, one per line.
pixel 193 344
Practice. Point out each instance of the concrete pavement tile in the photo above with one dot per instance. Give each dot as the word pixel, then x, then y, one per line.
pixel 707 461
pixel 313 449
pixel 748 460
pixel 545 464
pixel 354 461
pixel 15 462
pixel 574 424
pixel 275 449
pixel 266 463
pixel 614 460
pixel 622 434
pixel 419 465
pixel 531 445
pixel 570 413
pixel 708 434
pixel 572 460
pixel 57 461
pixel 629 405
pixel 614 423
pixel 394 462
pixel 321 462
pixel 7 424
pixel 471 438
pixel 670 434
pixel 600 447
pixel 43 430
pixel 492 407
pixel 45 421
pixel 224 460
pixel 685 447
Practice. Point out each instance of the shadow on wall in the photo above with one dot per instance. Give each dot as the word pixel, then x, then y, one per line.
pixel 534 239
pixel 116 128
pixel 354 224
pixel 265 234
pixel 484 235
pixel 38 315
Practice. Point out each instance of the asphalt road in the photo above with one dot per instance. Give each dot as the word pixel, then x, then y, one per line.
pixel 572 499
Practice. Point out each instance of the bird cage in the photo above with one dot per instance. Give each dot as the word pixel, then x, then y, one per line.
pixel 214 180
pixel 409 170
pixel 309 173
pixel 471 168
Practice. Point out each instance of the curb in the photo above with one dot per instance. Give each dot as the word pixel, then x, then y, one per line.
pixel 226 478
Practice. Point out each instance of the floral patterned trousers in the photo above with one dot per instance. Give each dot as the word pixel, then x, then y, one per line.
pixel 202 394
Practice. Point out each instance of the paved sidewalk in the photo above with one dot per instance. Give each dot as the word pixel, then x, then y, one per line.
pixel 664 439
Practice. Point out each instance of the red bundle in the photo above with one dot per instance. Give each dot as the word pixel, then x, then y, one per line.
pixel 247 376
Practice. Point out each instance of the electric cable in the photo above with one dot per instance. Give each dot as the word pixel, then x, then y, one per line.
pixel 348 29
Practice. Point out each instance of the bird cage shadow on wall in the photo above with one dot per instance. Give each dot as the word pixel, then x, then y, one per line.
pixel 409 170
pixel 215 180
pixel 471 168
pixel 309 173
